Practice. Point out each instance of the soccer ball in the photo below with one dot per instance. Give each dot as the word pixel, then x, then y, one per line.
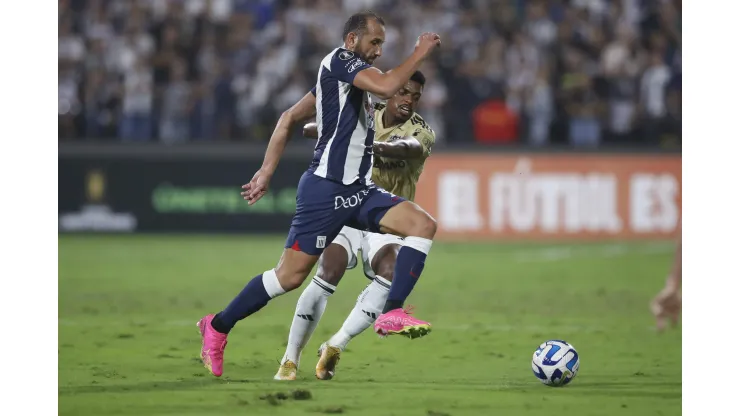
pixel 555 363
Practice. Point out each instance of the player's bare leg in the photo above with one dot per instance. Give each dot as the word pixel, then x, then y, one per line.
pixel 310 308
pixel 418 227
pixel 292 269
pixel 666 306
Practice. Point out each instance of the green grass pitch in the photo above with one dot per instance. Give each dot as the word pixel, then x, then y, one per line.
pixel 128 344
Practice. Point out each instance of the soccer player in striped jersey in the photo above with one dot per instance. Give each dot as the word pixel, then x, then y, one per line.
pixel 337 189
pixel 403 141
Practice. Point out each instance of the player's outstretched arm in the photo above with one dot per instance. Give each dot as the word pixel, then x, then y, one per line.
pixel 385 85
pixel 417 146
pixel 302 110
pixel 404 148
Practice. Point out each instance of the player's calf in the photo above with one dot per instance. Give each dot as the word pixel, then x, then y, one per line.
pixel 367 309
pixel 365 312
pixel 290 273
pixel 409 220
pixel 312 302
pixel 292 269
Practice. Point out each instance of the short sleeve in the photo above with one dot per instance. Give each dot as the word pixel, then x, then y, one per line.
pixel 345 65
pixel 313 91
pixel 425 136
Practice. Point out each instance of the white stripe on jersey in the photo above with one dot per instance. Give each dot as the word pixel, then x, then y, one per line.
pixel 320 96
pixel 323 167
pixel 356 151
pixel 319 109
pixel 355 144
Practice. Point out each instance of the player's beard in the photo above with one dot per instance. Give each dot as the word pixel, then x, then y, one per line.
pixel 367 57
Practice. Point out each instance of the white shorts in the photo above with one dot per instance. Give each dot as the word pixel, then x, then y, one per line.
pixel 368 244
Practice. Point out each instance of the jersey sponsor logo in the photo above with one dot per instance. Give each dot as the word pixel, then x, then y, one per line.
pixel 350 202
pixel 390 165
pixel 346 55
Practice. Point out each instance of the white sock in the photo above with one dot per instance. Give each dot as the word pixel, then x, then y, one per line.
pixel 419 244
pixel 367 309
pixel 308 311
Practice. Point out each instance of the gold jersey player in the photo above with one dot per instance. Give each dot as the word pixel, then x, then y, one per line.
pixel 403 141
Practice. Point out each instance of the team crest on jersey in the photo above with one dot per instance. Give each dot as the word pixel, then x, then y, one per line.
pixel 346 55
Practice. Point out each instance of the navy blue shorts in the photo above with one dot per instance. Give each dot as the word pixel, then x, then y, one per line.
pixel 323 207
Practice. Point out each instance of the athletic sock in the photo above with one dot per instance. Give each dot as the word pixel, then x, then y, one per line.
pixel 366 310
pixel 251 299
pixel 308 312
pixel 409 265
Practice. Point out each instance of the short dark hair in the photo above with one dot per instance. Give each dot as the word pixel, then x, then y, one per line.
pixel 357 23
pixel 419 77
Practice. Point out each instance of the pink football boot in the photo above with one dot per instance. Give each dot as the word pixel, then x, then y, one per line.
pixel 399 322
pixel 214 343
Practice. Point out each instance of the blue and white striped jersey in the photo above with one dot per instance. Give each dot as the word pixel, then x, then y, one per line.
pixel 345 119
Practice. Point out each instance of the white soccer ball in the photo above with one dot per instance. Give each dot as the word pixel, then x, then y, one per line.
pixel 555 363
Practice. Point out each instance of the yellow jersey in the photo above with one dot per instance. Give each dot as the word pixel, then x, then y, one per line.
pixel 395 175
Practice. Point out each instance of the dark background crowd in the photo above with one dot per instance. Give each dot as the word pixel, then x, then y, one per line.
pixel 532 72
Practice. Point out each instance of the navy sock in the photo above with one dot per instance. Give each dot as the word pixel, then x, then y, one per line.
pixel 409 265
pixel 251 299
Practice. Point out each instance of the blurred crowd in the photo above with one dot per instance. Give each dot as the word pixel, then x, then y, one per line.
pixel 579 72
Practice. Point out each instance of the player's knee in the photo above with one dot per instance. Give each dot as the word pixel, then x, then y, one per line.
pixel 386 270
pixel 291 278
pixel 333 263
pixel 431 226
pixel 384 263
pixel 330 274
pixel 291 281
